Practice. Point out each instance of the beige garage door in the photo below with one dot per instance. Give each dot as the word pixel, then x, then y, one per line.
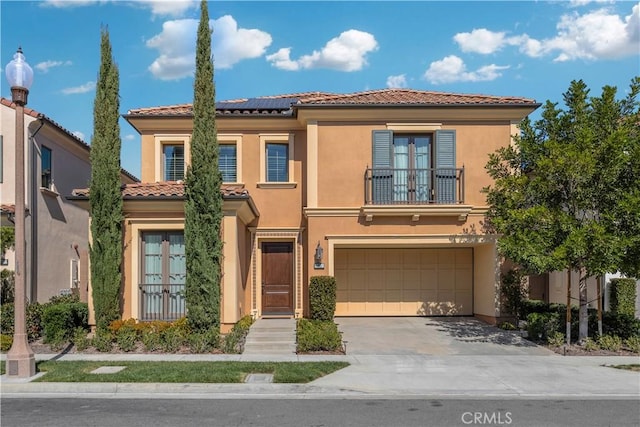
pixel 404 282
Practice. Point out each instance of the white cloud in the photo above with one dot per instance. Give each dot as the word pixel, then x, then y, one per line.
pixel 398 81
pixel 174 8
pixel 452 69
pixel 78 134
pixel 87 87
pixel 129 137
pixel 70 3
pixel 347 52
pixel 230 44
pixel 483 41
pixel 579 3
pixel 282 60
pixel 594 35
pixel 44 67
pixel 158 7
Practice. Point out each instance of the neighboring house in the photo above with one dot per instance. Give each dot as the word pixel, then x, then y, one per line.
pixel 381 189
pixel 56 231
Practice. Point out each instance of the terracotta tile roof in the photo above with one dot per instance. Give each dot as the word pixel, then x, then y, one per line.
pixel 8 208
pixel 413 97
pixel 165 189
pixel 33 113
pixel 391 97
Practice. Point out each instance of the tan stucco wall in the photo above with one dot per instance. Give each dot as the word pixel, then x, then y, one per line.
pixel 344 152
pixel 486 284
pixel 235 258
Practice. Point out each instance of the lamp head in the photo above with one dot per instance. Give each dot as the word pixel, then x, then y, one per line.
pixel 19 73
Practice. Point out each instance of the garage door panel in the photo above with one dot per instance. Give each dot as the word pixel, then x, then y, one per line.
pixel 446 279
pixel 403 281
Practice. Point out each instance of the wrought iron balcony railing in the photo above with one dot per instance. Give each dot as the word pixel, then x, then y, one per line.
pixel 391 186
pixel 162 301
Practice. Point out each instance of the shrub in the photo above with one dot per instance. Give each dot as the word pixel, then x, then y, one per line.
pixel 103 341
pixel 322 297
pixel 80 339
pixel 127 336
pixel 7 285
pixel 61 319
pixel 513 292
pixel 633 344
pixel 7 317
pixel 620 324
pixel 590 344
pixel 34 320
pixel 171 339
pixel 204 342
pixel 151 340
pixel 541 326
pixel 610 342
pixel 622 293
pixel 234 340
pixel 318 335
pixel 556 339
pixel 507 326
pixel 5 342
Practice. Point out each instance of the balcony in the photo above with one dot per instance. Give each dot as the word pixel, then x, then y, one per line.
pixel 388 186
pixel 414 192
pixel 162 301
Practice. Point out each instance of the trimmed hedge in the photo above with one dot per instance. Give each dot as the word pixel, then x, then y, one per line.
pixel 318 335
pixel 322 297
pixel 61 320
pixel 623 296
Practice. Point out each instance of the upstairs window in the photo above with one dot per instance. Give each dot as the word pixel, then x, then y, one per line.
pixel 46 179
pixel 173 160
pixel 277 166
pixel 228 162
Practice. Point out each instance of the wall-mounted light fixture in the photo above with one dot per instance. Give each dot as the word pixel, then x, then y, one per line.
pixel 318 265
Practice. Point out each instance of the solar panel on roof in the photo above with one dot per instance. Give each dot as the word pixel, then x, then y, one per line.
pixel 258 104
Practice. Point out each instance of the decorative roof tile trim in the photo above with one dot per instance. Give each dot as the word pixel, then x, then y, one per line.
pixel 165 189
pixel 33 113
pixel 414 97
pixel 378 97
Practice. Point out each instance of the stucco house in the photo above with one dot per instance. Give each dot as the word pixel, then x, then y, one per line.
pixel 56 162
pixel 381 189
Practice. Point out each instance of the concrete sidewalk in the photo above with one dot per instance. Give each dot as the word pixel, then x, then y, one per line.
pixel 389 376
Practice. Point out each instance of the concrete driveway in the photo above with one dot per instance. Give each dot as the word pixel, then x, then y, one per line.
pixel 437 336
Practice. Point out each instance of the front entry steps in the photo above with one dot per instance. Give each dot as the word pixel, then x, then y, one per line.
pixel 271 336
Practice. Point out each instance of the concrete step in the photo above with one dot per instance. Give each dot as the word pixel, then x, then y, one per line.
pixel 271 336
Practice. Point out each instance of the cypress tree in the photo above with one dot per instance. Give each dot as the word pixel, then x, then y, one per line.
pixel 203 200
pixel 105 198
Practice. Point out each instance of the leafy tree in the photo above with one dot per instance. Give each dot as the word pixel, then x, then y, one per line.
pixel 203 200
pixel 105 198
pixel 567 192
pixel 7 239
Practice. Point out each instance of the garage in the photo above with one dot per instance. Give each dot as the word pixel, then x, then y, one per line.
pixel 404 281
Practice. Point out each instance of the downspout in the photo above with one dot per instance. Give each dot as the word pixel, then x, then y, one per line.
pixel 32 181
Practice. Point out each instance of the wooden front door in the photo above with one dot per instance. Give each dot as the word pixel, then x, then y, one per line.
pixel 277 278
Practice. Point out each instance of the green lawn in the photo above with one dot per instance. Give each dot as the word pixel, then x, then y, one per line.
pixel 633 367
pixel 186 372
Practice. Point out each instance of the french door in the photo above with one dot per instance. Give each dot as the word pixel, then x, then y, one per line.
pixel 411 163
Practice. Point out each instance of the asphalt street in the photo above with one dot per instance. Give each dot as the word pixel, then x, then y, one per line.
pixel 318 412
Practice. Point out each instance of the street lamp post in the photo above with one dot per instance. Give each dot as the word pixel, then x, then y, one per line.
pixel 20 360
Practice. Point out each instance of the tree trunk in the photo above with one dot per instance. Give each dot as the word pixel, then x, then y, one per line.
pixel 583 314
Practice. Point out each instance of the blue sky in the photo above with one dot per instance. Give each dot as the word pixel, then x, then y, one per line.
pixel 514 48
